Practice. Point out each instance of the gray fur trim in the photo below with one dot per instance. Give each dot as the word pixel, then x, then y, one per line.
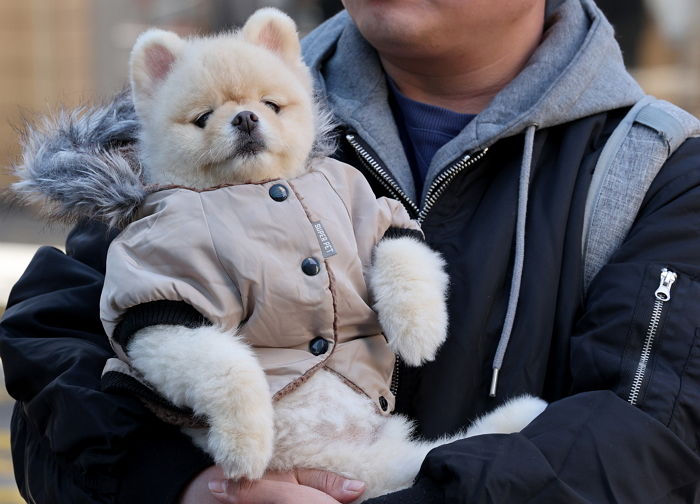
pixel 325 142
pixel 81 164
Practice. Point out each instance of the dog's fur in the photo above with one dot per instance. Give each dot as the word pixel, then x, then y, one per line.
pixel 323 423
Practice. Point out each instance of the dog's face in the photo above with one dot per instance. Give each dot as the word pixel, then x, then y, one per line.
pixel 231 108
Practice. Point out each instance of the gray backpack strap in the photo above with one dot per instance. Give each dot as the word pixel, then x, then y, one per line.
pixel 633 155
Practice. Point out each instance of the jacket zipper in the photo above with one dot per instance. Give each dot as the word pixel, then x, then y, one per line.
pixel 662 295
pixel 437 188
pixel 379 173
pixel 394 387
pixel 439 185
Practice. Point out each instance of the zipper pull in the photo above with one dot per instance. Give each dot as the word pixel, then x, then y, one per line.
pixel 663 293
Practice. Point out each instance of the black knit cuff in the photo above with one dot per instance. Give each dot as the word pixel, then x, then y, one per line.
pixel 423 492
pixel 156 313
pixel 120 383
pixel 395 232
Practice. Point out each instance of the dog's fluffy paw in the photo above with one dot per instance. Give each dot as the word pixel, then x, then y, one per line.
pixel 216 374
pixel 239 408
pixel 241 452
pixel 409 286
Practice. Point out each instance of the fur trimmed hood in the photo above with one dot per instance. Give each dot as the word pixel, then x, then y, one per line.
pixel 83 164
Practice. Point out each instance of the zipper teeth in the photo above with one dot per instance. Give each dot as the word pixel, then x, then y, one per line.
pixel 441 182
pixel 646 351
pixel 394 387
pixel 662 295
pixel 380 173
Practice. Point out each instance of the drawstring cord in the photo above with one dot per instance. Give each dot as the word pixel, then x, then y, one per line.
pixel 523 190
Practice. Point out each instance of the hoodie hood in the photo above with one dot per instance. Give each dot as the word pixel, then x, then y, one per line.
pixel 576 71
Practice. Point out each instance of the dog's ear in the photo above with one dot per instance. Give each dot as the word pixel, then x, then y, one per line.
pixel 275 31
pixel 152 59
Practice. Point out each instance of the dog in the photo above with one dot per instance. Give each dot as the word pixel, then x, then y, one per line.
pixel 261 286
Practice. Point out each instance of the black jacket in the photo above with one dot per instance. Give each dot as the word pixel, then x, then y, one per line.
pixel 73 442
pixel 591 444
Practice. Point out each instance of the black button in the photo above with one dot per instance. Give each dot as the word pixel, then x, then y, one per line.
pixel 318 346
pixel 278 192
pixel 383 403
pixel 310 266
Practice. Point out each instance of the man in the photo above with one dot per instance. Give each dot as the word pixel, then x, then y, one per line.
pixel 530 92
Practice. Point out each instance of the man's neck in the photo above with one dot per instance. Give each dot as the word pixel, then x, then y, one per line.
pixel 467 80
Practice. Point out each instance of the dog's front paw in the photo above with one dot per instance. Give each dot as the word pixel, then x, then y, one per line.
pixel 242 452
pixel 409 285
pixel 241 419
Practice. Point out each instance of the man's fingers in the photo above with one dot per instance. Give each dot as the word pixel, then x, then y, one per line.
pixel 341 489
pixel 299 486
pixel 219 488
pixel 266 492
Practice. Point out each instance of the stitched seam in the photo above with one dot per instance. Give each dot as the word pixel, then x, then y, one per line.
pixel 331 287
pixel 630 351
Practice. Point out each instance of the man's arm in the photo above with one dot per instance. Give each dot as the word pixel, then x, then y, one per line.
pixel 72 442
pixel 595 446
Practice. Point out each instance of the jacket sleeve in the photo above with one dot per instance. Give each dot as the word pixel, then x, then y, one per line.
pixel 595 446
pixel 168 256
pixel 374 217
pixel 72 442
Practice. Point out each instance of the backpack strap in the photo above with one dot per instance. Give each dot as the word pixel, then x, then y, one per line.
pixel 635 152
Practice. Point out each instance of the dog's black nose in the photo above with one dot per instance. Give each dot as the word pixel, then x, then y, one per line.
pixel 245 121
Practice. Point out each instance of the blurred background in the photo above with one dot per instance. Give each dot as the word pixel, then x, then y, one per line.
pixel 63 53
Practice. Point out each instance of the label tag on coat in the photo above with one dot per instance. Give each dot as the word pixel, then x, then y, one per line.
pixel 327 248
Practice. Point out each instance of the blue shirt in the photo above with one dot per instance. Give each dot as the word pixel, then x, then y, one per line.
pixel 423 129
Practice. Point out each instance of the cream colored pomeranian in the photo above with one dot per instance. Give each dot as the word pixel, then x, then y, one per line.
pixel 274 297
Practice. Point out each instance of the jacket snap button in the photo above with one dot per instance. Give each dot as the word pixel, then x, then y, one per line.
pixel 318 346
pixel 310 266
pixel 383 403
pixel 278 192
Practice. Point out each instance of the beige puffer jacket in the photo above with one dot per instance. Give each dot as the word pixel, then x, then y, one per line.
pixel 283 261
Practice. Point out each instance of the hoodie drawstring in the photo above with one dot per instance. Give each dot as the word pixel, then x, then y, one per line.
pixel 523 190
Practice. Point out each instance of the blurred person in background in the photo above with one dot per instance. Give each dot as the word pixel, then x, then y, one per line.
pixel 486 120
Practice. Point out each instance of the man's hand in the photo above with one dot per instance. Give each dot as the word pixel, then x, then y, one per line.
pixel 294 487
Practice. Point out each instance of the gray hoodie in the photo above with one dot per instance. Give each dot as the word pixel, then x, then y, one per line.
pixel 576 71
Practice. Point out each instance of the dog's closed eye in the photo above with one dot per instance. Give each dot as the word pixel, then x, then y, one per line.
pixel 276 108
pixel 201 120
